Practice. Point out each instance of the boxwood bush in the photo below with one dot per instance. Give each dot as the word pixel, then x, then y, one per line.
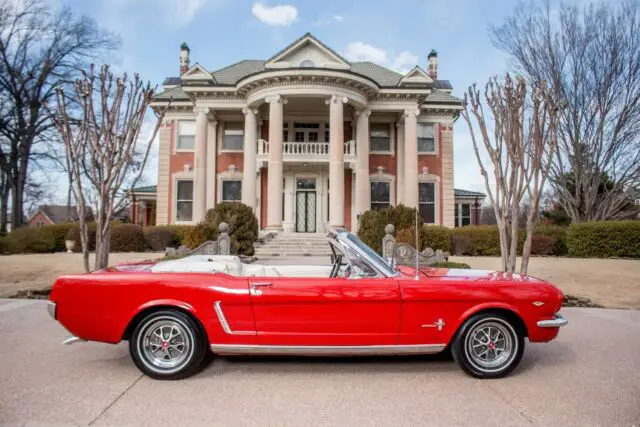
pixel 604 239
pixel 197 235
pixel 30 240
pixel 243 225
pixel 372 223
pixel 484 240
pixel 159 238
pixel 438 237
pixel 127 238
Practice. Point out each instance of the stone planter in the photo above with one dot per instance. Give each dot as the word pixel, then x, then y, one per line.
pixel 70 245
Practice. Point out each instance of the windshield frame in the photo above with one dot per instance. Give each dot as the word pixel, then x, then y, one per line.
pixel 370 256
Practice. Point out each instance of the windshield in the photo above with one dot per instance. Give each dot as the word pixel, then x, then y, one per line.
pixel 380 262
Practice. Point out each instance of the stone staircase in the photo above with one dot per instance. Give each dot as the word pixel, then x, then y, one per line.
pixel 294 244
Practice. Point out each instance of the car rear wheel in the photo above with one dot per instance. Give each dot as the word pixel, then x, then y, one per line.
pixel 168 345
pixel 488 346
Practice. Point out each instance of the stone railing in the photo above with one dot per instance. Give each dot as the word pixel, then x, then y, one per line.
pixel 405 254
pixel 306 150
pixel 222 246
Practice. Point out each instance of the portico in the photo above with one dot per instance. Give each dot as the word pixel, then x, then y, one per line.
pixel 307 139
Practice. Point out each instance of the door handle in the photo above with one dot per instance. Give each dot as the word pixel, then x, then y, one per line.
pixel 255 287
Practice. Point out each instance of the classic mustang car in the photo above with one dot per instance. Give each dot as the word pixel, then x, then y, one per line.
pixel 174 312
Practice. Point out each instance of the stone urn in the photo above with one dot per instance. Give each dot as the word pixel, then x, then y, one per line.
pixel 70 245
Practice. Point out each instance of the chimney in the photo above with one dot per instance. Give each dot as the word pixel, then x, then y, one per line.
pixel 433 64
pixel 184 58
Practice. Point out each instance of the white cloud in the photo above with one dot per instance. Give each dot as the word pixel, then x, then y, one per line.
pixel 281 15
pixel 404 62
pixel 359 51
pixel 183 11
pixel 338 18
pixel 323 21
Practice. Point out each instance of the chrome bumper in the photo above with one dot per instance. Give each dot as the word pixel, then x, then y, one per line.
pixel 51 308
pixel 556 322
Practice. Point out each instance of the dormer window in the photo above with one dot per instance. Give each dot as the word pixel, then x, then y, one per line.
pixel 307 63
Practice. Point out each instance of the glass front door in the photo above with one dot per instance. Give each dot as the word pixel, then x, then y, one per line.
pixel 306 205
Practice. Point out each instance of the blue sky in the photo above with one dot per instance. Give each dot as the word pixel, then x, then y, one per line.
pixel 396 34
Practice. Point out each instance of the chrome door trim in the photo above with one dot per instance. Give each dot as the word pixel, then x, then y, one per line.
pixel 225 325
pixel 329 350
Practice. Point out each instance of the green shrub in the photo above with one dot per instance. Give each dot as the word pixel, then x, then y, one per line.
pixel 197 235
pixel 461 245
pixel 408 235
pixel 127 238
pixel 558 232
pixel 372 223
pixel 243 225
pixel 543 245
pixel 484 239
pixel 74 234
pixel 180 232
pixel 159 238
pixel 450 264
pixel 4 245
pixel 604 239
pixel 59 232
pixel 438 237
pixel 30 240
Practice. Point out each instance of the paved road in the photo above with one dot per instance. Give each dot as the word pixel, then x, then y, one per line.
pixel 589 376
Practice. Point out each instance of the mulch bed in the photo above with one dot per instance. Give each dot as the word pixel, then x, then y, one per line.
pixel 31 294
pixel 573 301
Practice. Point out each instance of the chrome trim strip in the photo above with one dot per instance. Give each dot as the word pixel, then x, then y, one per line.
pixel 51 308
pixel 557 321
pixel 73 340
pixel 330 350
pixel 225 325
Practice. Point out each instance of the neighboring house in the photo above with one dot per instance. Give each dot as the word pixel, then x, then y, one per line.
pixel 56 214
pixel 308 139
pixel 142 210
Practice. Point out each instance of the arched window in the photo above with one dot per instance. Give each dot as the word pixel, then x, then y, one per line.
pixel 307 63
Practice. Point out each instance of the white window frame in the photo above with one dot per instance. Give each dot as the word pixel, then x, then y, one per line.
pixel 178 135
pixel 434 179
pixel 223 133
pixel 228 175
pixel 180 176
pixel 391 138
pixel 436 141
pixel 222 182
pixel 384 177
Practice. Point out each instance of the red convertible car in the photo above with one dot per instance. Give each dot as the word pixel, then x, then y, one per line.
pixel 174 312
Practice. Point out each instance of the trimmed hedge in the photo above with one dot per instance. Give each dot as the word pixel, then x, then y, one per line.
pixel 450 264
pixel 543 245
pixel 604 239
pixel 159 238
pixel 197 235
pixel 438 237
pixel 59 232
pixel 127 238
pixel 484 240
pixel 243 225
pixel 30 240
pixel 558 232
pixel 74 234
pixel 372 223
pixel 408 235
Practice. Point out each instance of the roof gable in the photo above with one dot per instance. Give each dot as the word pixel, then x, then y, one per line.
pixel 197 73
pixel 307 51
pixel 417 76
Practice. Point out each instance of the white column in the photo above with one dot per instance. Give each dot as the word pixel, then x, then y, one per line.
pixel 212 151
pixel 411 158
pixel 363 191
pixel 274 172
pixel 400 165
pixel 249 171
pixel 336 160
pixel 200 165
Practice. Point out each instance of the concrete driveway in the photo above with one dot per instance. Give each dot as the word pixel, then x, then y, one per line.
pixel 589 376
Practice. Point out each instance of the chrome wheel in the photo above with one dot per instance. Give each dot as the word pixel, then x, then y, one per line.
pixel 165 344
pixel 491 345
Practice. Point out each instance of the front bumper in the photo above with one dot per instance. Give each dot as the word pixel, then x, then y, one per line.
pixel 557 321
pixel 51 308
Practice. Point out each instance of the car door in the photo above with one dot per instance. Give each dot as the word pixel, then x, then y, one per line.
pixel 318 311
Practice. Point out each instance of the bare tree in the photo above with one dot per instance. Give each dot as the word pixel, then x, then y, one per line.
pixel 591 58
pixel 521 150
pixel 103 147
pixel 39 51
pixel 4 201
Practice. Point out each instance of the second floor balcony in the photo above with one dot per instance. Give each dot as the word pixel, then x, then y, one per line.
pixel 309 151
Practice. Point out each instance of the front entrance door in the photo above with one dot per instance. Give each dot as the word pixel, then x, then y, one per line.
pixel 306 205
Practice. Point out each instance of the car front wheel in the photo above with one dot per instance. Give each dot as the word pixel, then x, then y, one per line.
pixel 168 345
pixel 488 346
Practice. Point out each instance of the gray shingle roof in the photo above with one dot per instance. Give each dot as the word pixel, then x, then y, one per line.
pixel 233 73
pixel 466 193
pixel 381 75
pixel 441 97
pixel 175 93
pixel 145 189
pixel 60 214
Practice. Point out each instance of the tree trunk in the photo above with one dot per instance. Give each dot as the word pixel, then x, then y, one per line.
pixel 4 202
pixel 17 200
pixel 526 249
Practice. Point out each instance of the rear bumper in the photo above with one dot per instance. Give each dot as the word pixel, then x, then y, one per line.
pixel 51 308
pixel 557 321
